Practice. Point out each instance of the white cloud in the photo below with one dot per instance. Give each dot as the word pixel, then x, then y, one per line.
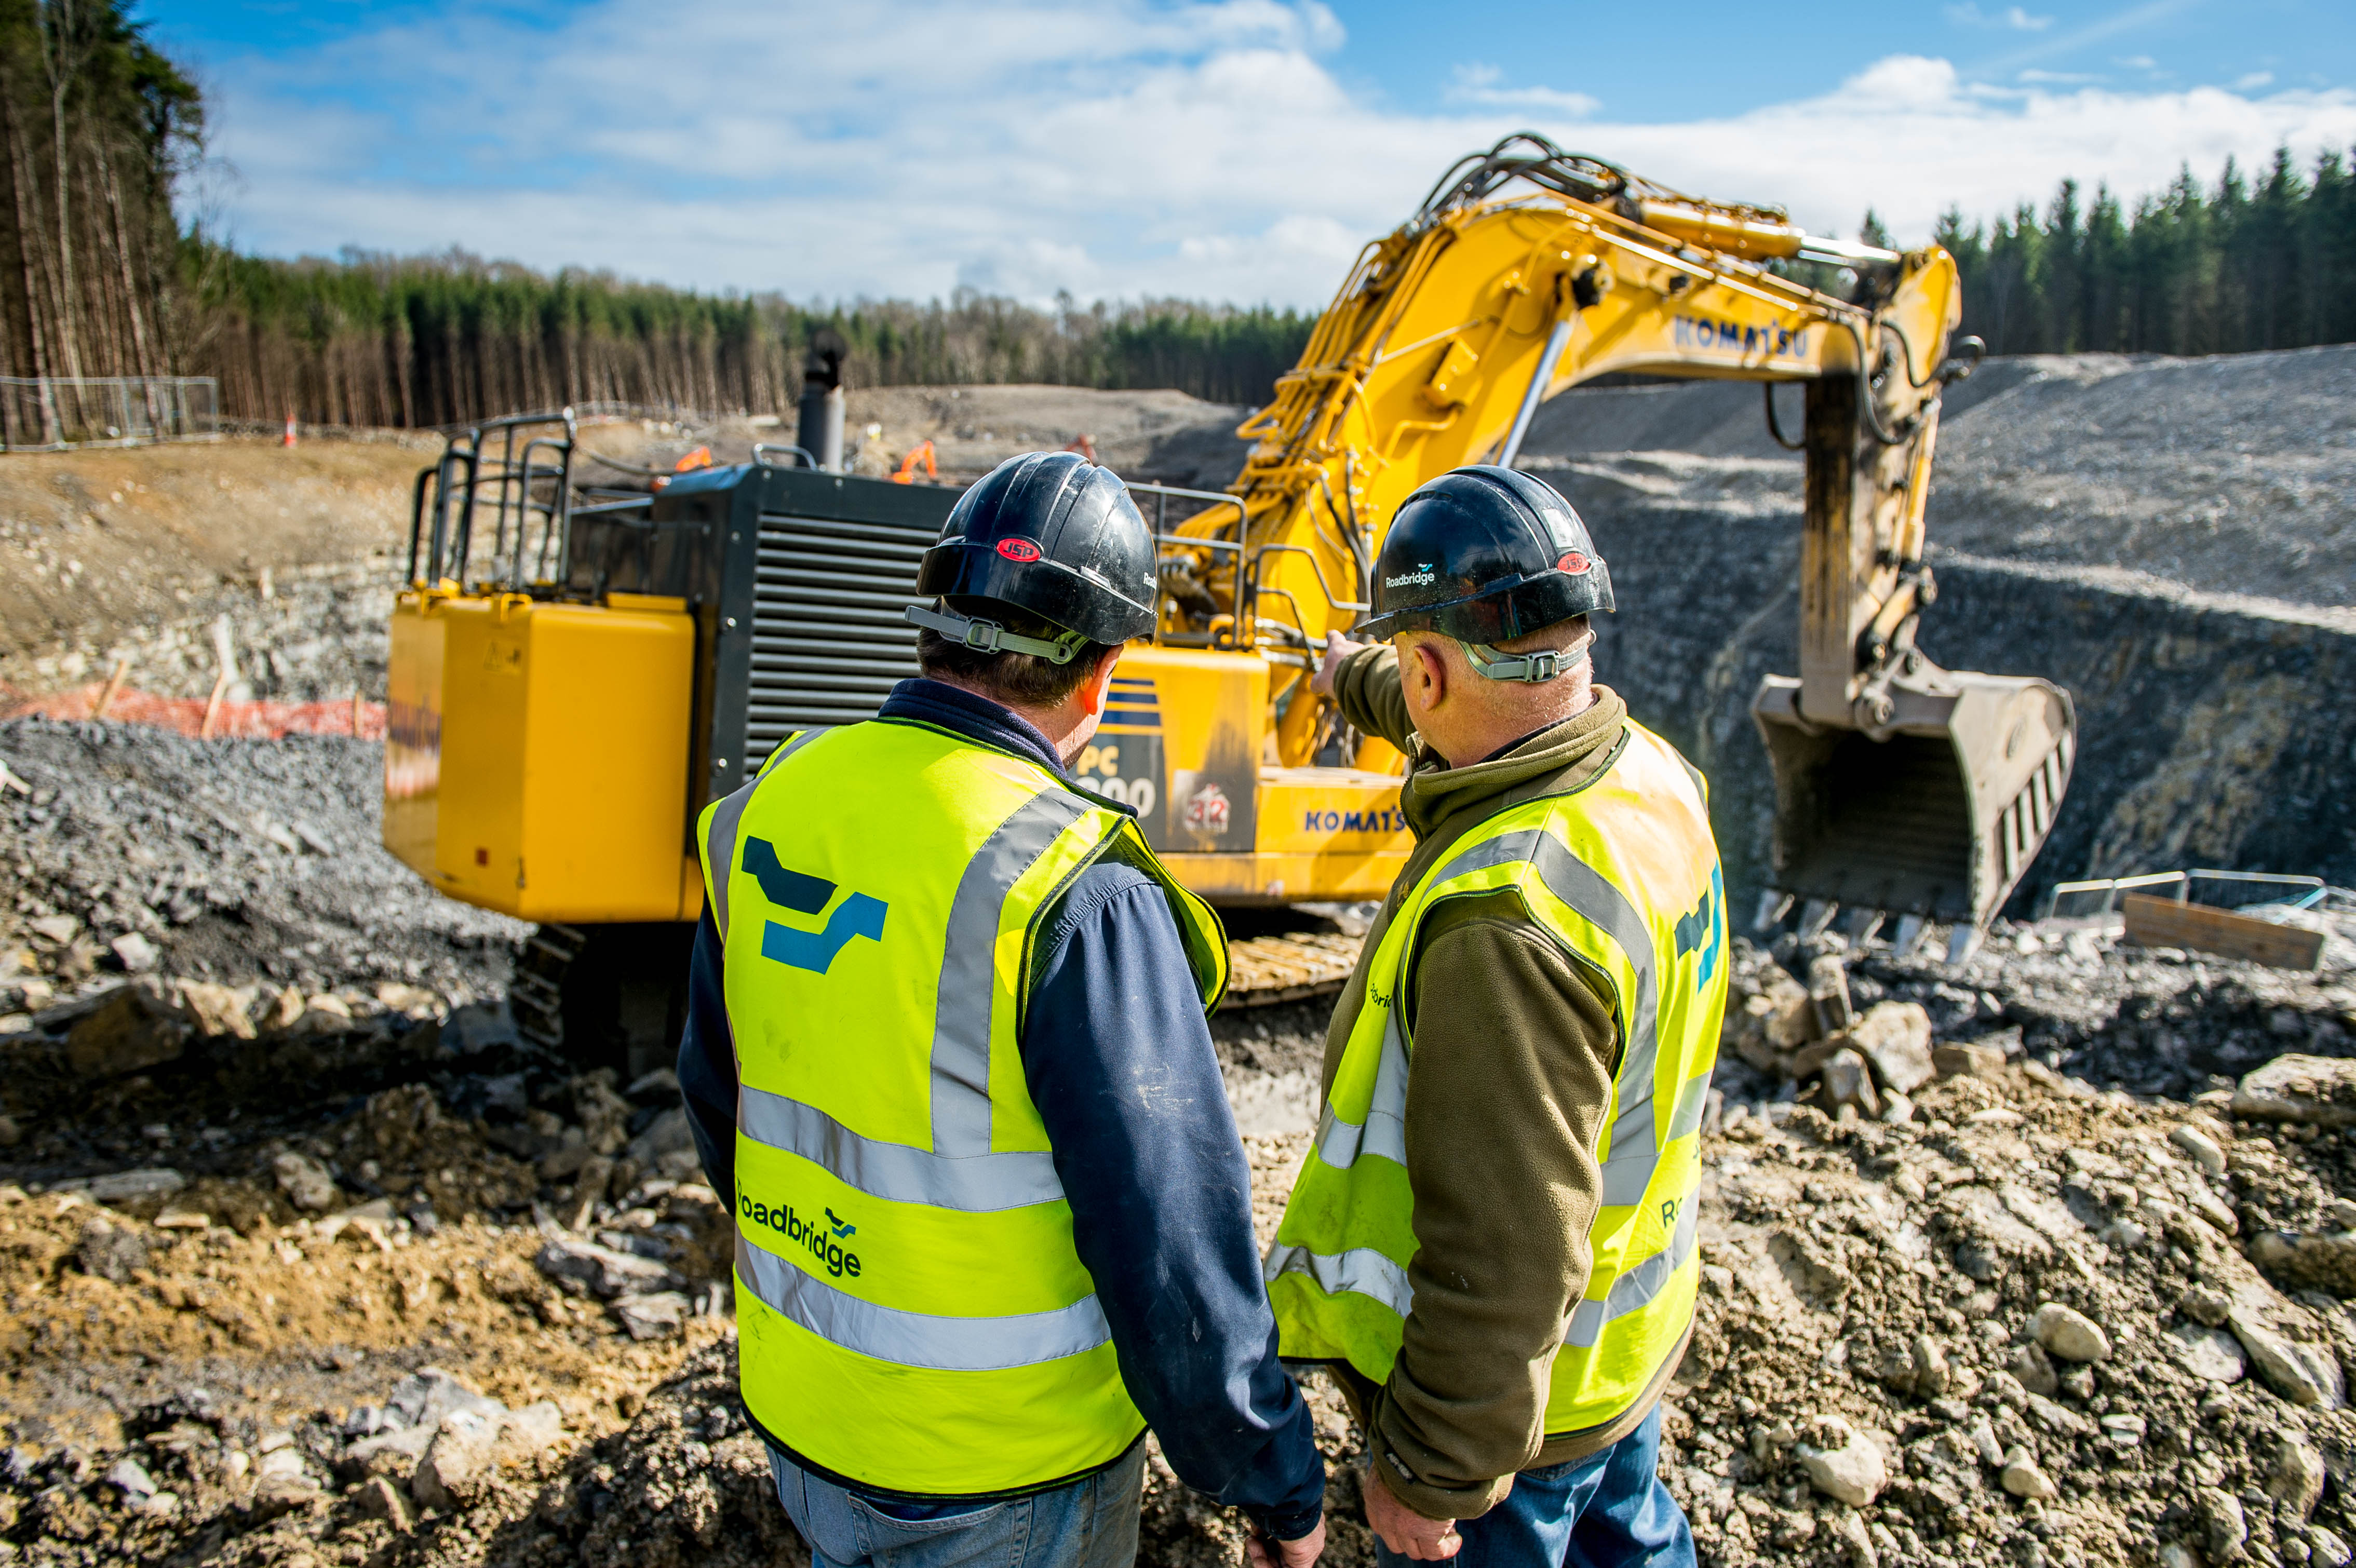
pixel 2057 78
pixel 1114 147
pixel 2251 82
pixel 1478 84
pixel 2012 16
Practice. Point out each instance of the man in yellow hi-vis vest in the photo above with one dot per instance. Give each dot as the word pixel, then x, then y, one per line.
pixel 1492 1238
pixel 947 1058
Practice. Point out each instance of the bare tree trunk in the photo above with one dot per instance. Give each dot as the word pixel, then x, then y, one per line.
pixel 19 180
pixel 141 356
pixel 54 24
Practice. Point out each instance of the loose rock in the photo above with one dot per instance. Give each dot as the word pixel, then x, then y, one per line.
pixel 305 1181
pixel 2201 1147
pixel 1842 1463
pixel 2297 1479
pixel 133 1029
pixel 2227 1529
pixel 1895 1037
pixel 2022 1479
pixel 2066 1332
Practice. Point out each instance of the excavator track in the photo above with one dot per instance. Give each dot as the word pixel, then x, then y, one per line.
pixel 1263 971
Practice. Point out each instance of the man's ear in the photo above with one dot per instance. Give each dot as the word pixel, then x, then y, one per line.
pixel 1433 669
pixel 1095 691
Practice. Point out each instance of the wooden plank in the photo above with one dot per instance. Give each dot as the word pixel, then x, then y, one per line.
pixel 2163 923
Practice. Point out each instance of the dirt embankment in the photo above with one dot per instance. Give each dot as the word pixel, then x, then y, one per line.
pixel 133 556
pixel 99 547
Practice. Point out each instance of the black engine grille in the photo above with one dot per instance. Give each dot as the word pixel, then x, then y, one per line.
pixel 827 639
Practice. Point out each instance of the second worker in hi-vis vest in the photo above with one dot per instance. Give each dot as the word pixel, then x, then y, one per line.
pixel 1492 1238
pixel 947 1057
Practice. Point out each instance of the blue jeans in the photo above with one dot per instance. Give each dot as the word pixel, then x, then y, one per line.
pixel 1091 1523
pixel 1607 1510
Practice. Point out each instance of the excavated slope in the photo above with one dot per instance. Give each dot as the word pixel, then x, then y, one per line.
pixel 2172 541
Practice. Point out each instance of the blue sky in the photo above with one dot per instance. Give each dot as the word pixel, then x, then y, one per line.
pixel 1234 149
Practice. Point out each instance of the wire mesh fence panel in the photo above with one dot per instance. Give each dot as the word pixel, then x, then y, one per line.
pixel 50 412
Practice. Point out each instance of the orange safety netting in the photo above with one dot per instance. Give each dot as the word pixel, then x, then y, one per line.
pixel 260 721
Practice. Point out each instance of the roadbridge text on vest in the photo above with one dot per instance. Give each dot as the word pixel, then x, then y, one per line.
pixel 822 1243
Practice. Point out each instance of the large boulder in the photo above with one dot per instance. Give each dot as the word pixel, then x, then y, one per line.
pixel 1895 1037
pixel 2320 1089
pixel 134 1027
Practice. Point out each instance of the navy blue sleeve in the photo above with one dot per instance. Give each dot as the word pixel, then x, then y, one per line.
pixel 707 1066
pixel 1118 1060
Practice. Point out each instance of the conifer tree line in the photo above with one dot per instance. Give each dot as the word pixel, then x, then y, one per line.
pixel 96 124
pixel 2269 263
pixel 437 340
pixel 99 276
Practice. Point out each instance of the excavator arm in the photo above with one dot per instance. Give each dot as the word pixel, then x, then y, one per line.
pixel 1901 788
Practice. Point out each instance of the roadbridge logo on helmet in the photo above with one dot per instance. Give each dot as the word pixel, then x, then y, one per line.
pixel 858 915
pixel 1422 576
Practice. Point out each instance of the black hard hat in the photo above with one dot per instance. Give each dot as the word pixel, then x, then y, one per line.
pixel 1051 533
pixel 1484 555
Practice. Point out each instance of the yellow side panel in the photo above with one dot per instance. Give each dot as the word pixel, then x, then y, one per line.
pixel 1212 713
pixel 1326 836
pixel 413 741
pixel 562 791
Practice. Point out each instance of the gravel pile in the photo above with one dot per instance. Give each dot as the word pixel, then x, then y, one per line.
pixel 1963 1304
pixel 137 848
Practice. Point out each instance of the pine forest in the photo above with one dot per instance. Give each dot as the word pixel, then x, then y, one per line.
pixel 101 276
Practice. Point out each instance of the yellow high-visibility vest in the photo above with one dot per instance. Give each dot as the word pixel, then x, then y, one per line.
pixel 1624 874
pixel 910 1314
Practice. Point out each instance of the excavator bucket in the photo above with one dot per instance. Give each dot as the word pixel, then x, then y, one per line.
pixel 1932 814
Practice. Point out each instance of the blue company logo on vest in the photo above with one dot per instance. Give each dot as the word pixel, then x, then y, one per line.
pixel 823 1243
pixel 1709 332
pixel 858 915
pixel 1705 923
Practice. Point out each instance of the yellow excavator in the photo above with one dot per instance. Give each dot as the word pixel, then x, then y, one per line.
pixel 572 679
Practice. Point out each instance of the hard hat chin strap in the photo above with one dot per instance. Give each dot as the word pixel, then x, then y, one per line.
pixel 990 637
pixel 1531 669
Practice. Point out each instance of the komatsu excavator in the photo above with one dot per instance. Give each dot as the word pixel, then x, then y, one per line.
pixel 565 701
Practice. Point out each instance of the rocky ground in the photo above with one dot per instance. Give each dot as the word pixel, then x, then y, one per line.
pixel 2040 1258
pixel 136 849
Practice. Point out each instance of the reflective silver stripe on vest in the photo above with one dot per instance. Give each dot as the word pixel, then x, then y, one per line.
pixel 1633 1151
pixel 918 1339
pixel 962 1018
pixel 1361 1269
pixel 1340 1143
pixel 976 1184
pixel 1635 1288
pixel 720 847
pixel 1691 1101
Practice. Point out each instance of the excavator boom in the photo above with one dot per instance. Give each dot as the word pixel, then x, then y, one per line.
pixel 1901 788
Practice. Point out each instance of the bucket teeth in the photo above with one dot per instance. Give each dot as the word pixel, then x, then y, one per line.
pixel 1816 917
pixel 1773 907
pixel 1910 935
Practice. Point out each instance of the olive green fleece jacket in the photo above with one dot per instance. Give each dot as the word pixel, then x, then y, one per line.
pixel 1507 1087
